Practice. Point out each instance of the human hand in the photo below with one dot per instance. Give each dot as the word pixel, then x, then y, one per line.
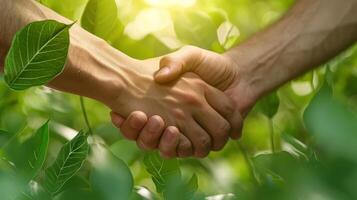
pixel 218 70
pixel 191 105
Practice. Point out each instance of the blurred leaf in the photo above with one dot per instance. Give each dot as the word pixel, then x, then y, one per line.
pixel 100 17
pixel 333 125
pixel 38 53
pixel 28 155
pixel 149 47
pixel 275 168
pixel 34 191
pixel 162 171
pixel 269 105
pixel 166 175
pixel 111 178
pixel 10 185
pixel 68 162
pixel 196 27
pixel 126 150
pixel 4 137
pixel 178 189
pixel 68 8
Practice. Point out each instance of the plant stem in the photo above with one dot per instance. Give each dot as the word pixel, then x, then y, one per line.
pixel 84 111
pixel 271 130
pixel 248 162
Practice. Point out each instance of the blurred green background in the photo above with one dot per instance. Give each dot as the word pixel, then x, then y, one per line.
pixel 312 121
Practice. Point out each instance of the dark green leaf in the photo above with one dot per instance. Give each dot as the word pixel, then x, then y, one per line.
pixel 4 137
pixel 110 177
pixel 68 162
pixel 28 154
pixel 269 105
pixel 162 171
pixel 38 54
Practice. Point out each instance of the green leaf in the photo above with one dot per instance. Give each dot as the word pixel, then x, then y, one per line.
pixel 67 8
pixel 110 177
pixel 28 154
pixel 100 17
pixel 196 27
pixel 38 54
pixel 162 171
pixel 4 137
pixel 332 123
pixel 269 105
pixel 10 185
pixel 276 167
pixel 68 162
pixel 126 150
pixel 178 189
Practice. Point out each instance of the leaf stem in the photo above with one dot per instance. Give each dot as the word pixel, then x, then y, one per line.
pixel 249 163
pixel 271 131
pixel 84 111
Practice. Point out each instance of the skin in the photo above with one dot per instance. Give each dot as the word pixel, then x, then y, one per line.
pixel 308 35
pixel 189 116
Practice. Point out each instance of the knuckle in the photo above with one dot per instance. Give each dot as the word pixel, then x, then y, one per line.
pixel 224 128
pixel 192 99
pixel 166 60
pixel 178 113
pixel 229 107
pixel 204 144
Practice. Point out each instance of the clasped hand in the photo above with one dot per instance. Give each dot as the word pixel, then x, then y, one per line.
pixel 188 115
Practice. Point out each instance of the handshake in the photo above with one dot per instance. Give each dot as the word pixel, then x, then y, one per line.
pixel 192 101
pixel 194 104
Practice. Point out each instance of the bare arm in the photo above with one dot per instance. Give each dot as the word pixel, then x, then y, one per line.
pixel 96 70
pixel 311 33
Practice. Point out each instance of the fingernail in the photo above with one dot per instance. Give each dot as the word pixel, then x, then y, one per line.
pixel 163 71
pixel 154 124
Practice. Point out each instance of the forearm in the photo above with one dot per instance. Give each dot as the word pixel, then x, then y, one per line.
pixel 311 33
pixel 93 69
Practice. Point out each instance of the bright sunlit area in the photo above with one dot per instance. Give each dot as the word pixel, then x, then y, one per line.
pixel 185 3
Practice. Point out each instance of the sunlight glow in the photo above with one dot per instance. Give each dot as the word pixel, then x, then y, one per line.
pixel 185 3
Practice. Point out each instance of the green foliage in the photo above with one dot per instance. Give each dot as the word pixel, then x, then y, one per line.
pixel 38 53
pixel 310 122
pixel 110 177
pixel 28 154
pixel 67 164
pixel 100 17
pixel 269 105
pixel 166 175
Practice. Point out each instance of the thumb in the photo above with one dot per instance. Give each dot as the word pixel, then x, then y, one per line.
pixel 173 65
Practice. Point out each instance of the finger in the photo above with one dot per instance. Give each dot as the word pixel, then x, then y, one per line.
pixel 199 138
pixel 132 126
pixel 117 120
pixel 169 141
pixel 227 108
pixel 215 125
pixel 149 137
pixel 184 148
pixel 236 121
pixel 177 63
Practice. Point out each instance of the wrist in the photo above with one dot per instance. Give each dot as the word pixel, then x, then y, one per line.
pixel 93 69
pixel 257 69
